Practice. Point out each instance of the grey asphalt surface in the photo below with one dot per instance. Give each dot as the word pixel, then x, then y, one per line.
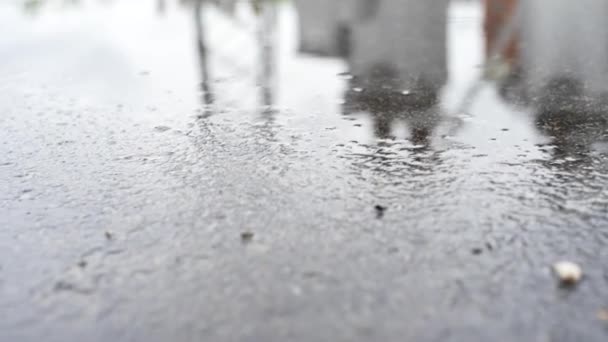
pixel 124 195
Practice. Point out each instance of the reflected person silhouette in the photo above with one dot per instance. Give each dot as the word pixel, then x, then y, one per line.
pixel 574 133
pixel 564 44
pixel 574 124
pixel 566 88
pixel 418 108
pixel 397 56
pixel 561 45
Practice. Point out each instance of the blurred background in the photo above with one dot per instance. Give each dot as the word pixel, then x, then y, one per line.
pixel 374 56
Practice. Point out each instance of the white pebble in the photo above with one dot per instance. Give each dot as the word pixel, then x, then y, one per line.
pixel 568 272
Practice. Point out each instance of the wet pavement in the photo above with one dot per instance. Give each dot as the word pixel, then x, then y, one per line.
pixel 179 171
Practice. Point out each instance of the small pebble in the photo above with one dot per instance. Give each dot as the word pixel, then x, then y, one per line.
pixel 379 210
pixel 108 235
pixel 393 250
pixel 568 272
pixel 246 236
pixel 82 264
pixel 476 251
pixel 162 128
pixel 489 246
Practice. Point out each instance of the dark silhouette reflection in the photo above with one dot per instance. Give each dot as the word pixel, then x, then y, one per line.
pixel 564 42
pixel 558 46
pixel 573 133
pixel 549 72
pixel 576 126
pixel 395 51
pixel 397 58
pixel 417 107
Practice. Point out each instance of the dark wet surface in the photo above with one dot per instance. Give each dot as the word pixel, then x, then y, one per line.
pixel 159 181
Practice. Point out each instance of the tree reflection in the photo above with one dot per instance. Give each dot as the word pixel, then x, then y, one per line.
pixel 207 95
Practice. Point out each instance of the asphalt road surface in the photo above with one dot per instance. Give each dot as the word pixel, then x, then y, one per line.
pixel 163 178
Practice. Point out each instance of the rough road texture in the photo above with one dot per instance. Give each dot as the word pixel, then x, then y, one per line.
pixel 122 211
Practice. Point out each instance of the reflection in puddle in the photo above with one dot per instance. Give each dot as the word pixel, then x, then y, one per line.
pixel 372 71
pixel 390 80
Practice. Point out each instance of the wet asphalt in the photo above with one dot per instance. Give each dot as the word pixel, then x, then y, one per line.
pixel 153 188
